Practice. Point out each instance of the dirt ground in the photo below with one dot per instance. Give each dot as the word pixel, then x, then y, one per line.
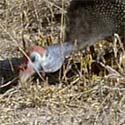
pixel 83 92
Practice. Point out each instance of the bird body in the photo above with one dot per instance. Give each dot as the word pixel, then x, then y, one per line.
pixel 92 20
pixel 87 22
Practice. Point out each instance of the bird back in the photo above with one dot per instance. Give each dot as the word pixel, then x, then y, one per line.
pixel 91 20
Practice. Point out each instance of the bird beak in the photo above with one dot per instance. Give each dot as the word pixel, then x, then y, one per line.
pixel 25 73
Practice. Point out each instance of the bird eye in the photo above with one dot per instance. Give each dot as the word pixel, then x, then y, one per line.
pixel 33 58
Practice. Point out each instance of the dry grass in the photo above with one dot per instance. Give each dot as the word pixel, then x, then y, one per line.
pixel 83 92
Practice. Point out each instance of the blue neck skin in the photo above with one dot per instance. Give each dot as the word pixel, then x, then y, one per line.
pixel 56 56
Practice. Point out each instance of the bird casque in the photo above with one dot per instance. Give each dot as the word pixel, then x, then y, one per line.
pixel 88 21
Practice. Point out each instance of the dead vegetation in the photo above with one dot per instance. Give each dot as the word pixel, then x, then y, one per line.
pixel 90 87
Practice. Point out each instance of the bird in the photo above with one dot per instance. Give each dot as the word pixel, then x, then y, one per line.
pixel 9 72
pixel 48 59
pixel 87 21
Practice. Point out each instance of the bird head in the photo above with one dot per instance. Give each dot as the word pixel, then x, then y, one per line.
pixel 47 59
pixel 32 61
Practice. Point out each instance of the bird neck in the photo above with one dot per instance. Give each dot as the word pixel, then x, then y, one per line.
pixel 62 49
pixel 67 47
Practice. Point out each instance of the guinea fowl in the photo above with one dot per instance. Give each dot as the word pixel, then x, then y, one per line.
pixel 88 21
pixel 9 71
